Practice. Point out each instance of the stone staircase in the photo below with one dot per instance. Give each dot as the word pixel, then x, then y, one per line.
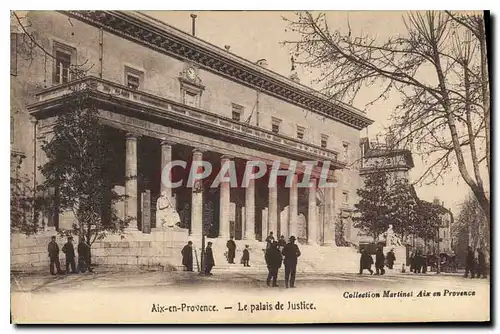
pixel 313 259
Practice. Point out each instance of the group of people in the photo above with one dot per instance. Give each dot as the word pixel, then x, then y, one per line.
pixel 278 252
pixel 208 260
pixel 69 251
pixel 231 253
pixel 475 266
pixel 366 261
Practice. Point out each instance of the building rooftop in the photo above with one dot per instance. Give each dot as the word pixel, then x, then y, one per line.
pixel 164 38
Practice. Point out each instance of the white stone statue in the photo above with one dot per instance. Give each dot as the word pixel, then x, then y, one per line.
pixel 390 238
pixel 166 215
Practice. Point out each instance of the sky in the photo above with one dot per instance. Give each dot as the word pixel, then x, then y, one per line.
pixel 257 34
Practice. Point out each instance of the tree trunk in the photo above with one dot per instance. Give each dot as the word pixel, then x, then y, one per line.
pixel 485 89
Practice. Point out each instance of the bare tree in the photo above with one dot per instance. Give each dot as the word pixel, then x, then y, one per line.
pixel 437 67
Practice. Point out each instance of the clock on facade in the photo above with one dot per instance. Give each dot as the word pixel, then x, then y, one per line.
pixel 191 73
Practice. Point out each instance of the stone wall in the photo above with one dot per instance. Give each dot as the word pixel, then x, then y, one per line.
pixel 160 249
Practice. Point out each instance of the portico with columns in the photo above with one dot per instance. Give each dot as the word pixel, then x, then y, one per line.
pixel 247 213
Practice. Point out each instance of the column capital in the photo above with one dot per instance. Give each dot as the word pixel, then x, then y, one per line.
pixel 33 120
pixel 198 151
pixel 132 136
pixel 167 142
pixel 226 157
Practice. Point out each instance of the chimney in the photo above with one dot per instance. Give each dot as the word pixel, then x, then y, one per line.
pixel 227 47
pixel 262 63
pixel 193 28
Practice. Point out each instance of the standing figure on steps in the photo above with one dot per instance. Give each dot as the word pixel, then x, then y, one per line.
pixel 209 259
pixel 231 250
pixel 246 257
pixel 291 253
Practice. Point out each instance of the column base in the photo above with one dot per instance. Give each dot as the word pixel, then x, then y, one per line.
pixel 329 244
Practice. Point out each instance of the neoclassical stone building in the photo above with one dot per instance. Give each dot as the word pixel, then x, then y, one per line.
pixel 167 95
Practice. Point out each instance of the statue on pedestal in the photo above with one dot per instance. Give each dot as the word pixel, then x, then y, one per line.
pixel 391 239
pixel 166 215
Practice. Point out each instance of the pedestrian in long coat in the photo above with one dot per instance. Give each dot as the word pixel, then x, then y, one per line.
pixel 291 252
pixel 187 256
pixel 391 257
pixel 246 257
pixel 470 263
pixel 53 250
pixel 231 250
pixel 379 262
pixel 273 261
pixel 365 262
pixel 209 259
pixel 69 250
pixel 83 256
pixel 481 264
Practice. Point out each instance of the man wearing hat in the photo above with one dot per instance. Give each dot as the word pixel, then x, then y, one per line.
pixel 246 257
pixel 291 253
pixel 209 259
pixel 187 256
pixel 53 250
pixel 69 250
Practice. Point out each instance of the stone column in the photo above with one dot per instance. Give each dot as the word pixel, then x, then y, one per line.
pixel 166 157
pixel 329 227
pixel 312 221
pixel 197 201
pixel 264 228
pixel 131 180
pixel 272 212
pixel 249 231
pixel 224 203
pixel 293 208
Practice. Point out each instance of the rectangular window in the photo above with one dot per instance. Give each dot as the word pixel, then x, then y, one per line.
pixel 276 125
pixel 345 197
pixel 64 58
pixel 191 98
pixel 237 112
pixel 133 78
pixel 63 63
pixel 132 81
pixel 345 146
pixel 324 141
pixel 300 132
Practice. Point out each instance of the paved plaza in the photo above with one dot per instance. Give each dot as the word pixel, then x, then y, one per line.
pixel 137 296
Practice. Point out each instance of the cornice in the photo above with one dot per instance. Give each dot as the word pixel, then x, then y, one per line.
pixel 143 105
pixel 168 40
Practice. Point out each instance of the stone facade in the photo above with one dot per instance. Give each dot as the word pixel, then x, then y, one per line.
pixel 152 81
